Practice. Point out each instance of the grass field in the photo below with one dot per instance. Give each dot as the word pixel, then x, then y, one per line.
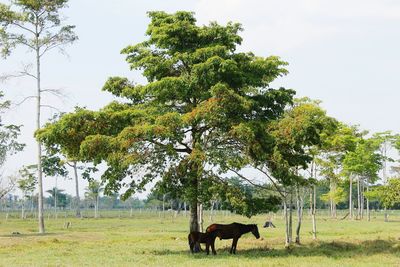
pixel 146 239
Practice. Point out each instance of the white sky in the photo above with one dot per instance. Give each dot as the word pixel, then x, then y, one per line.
pixel 345 53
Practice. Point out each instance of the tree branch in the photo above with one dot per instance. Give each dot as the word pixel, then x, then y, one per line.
pixel 271 179
pixel 25 99
pixel 258 185
pixel 51 107
pixel 23 27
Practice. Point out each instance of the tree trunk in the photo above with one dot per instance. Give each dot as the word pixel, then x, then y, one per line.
pixel 39 146
pixel 333 203
pixel 200 217
pixel 291 217
pixel 194 222
pixel 314 221
pixel 212 211
pixel 362 198
pixel 23 208
pixel 386 215
pixel 358 199
pixel 350 197
pixel 55 201
pixel 78 199
pixel 163 205
pixel 299 204
pixel 96 207
pixel 287 232
pixel 368 211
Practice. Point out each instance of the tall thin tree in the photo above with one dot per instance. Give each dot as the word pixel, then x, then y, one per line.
pixel 37 26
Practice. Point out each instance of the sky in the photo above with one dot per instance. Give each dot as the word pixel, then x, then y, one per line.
pixel 344 53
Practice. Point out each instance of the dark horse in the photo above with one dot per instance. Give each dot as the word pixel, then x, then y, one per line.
pixel 233 231
pixel 195 238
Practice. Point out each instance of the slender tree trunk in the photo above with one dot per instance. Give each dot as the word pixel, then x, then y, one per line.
pixel 39 146
pixel 78 199
pixel 96 207
pixel 314 212
pixel 212 211
pixel 386 215
pixel 362 197
pixel 55 201
pixel 358 199
pixel 185 212
pixel 350 197
pixel 299 204
pixel 385 176
pixel 163 205
pixel 291 217
pixel 287 232
pixel 200 217
pixel 23 208
pixel 311 202
pixel 368 211
pixel 333 203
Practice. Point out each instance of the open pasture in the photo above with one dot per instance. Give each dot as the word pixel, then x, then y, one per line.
pixel 148 239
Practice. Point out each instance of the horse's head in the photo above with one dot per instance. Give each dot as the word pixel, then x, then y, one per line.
pixel 254 231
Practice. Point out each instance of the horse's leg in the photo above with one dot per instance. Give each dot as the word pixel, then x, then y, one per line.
pixel 234 244
pixel 208 248
pixel 213 247
pixel 191 244
pixel 197 247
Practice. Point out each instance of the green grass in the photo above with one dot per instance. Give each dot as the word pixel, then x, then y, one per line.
pixel 146 239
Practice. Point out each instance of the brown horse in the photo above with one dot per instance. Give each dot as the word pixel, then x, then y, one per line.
pixel 195 238
pixel 233 231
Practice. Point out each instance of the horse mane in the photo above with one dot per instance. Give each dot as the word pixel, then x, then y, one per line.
pixel 246 227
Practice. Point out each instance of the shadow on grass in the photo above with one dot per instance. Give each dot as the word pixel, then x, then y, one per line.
pixel 334 249
pixel 21 235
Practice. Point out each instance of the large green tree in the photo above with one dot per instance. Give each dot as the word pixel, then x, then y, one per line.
pixel 37 26
pixel 183 120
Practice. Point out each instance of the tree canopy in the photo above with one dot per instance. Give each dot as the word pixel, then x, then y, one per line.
pixel 184 121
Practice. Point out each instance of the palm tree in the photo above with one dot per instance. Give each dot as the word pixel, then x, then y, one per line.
pixel 55 194
pixel 93 192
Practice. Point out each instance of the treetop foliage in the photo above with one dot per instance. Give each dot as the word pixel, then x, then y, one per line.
pixel 35 24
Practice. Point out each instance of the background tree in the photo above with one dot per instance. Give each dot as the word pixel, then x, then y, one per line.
pixel 67 156
pixel 57 198
pixel 183 120
pixel 279 150
pixel 93 193
pixel 37 26
pixel 364 162
pixel 387 141
pixel 9 145
pixel 27 183
pixel 7 185
pixel 330 160
pixel 388 195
